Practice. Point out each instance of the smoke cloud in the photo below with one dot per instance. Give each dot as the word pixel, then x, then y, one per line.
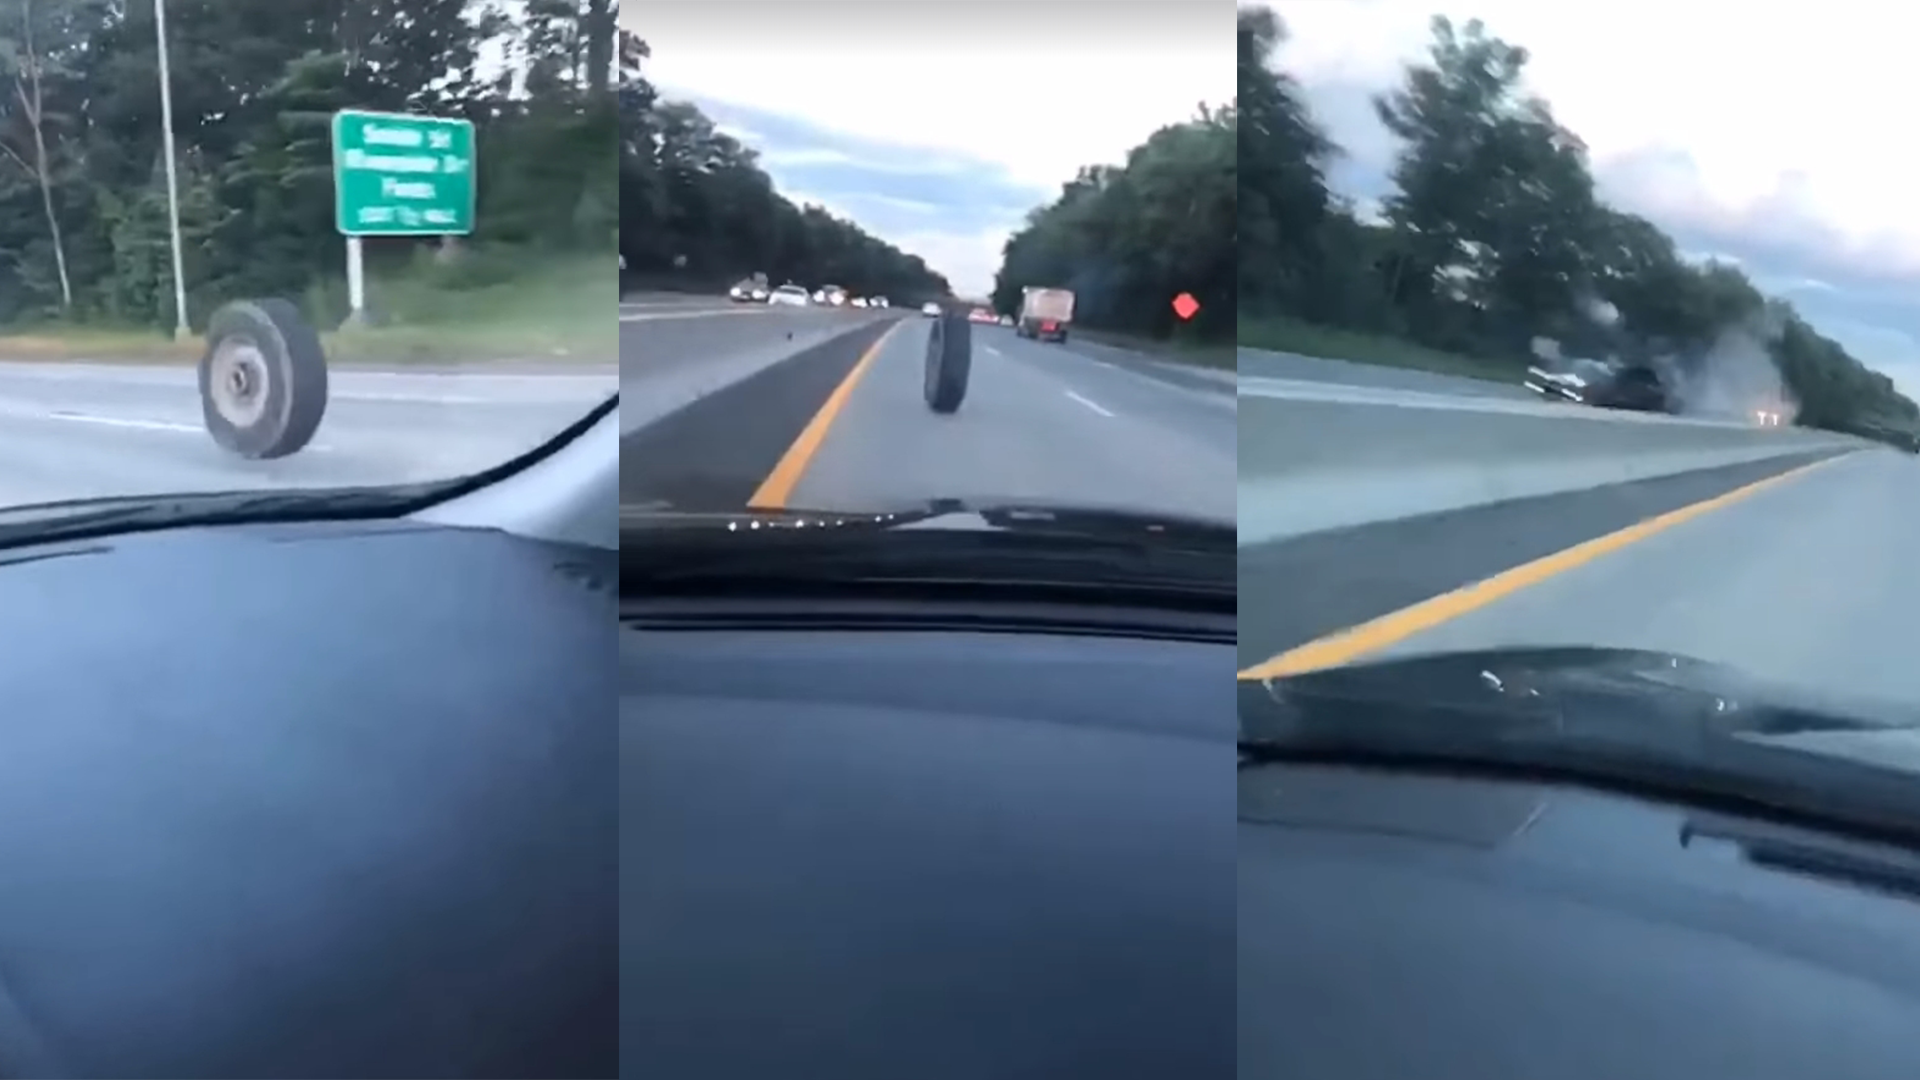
pixel 1735 377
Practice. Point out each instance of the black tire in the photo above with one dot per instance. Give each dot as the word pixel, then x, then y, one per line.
pixel 949 359
pixel 263 379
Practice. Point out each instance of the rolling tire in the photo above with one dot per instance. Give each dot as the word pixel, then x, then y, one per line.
pixel 263 379
pixel 949 360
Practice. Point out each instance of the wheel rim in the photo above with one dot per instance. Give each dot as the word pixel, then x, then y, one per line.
pixel 237 381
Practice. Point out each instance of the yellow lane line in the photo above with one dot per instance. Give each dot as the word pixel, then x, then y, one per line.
pixel 777 488
pixel 1394 627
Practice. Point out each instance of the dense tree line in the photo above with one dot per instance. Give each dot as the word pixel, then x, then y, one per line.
pixel 697 211
pixel 1129 238
pixel 1493 237
pixel 83 206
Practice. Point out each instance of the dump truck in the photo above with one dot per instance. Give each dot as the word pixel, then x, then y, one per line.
pixel 1045 314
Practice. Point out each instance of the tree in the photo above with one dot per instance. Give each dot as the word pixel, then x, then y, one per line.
pixel 83 225
pixel 1283 159
pixel 1129 238
pixel 36 51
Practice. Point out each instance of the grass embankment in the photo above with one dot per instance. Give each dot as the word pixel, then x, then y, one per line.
pixel 487 307
pixel 1217 355
pixel 1287 335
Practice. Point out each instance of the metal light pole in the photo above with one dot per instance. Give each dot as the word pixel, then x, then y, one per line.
pixel 173 187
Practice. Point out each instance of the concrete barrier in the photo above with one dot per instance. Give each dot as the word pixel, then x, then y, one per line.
pixel 1294 367
pixel 1316 456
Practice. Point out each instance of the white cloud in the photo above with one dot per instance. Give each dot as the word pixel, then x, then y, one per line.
pixel 821 156
pixel 740 134
pixel 1788 116
pixel 993 82
pixel 1041 120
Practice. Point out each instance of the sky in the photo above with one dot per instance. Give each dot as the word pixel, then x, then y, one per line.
pixel 937 127
pixel 1755 135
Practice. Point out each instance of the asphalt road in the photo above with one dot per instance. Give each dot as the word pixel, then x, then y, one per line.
pixel 1811 579
pixel 717 408
pixel 73 430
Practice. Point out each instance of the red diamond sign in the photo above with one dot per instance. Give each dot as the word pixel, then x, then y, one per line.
pixel 1185 305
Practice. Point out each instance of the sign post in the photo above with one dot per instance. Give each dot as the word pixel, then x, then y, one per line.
pixel 398 175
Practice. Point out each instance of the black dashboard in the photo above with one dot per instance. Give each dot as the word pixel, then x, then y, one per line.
pixel 1395 925
pixel 307 799
pixel 885 841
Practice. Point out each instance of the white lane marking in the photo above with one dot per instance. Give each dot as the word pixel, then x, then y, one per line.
pixel 1089 404
pixel 430 399
pixel 126 422
pixel 155 425
pixel 1223 398
pixel 991 351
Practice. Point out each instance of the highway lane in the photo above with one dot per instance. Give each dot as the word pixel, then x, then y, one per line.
pixel 1811 579
pixel 71 430
pixel 1041 422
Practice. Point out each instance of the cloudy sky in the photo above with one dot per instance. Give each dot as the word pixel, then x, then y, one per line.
pixel 937 127
pixel 1758 135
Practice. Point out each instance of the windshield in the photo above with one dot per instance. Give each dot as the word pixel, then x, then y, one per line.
pixel 856 168
pixel 309 258
pixel 1730 475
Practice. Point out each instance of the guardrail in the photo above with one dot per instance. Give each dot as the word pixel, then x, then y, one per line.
pixel 1316 456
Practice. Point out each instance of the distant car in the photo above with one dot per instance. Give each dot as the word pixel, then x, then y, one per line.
pixel 878 301
pixel 930 309
pixel 858 301
pixel 982 315
pixel 1006 320
pixel 788 296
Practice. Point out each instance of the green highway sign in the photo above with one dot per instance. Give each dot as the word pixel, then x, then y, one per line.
pixel 398 175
